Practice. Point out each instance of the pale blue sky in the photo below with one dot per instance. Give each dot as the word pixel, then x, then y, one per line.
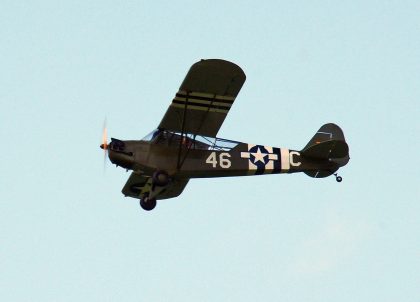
pixel 68 234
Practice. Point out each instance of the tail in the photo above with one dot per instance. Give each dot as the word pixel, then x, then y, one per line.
pixel 329 146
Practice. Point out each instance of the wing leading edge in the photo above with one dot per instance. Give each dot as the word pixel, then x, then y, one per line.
pixel 204 98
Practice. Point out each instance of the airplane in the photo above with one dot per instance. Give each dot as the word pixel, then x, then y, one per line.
pixel 185 144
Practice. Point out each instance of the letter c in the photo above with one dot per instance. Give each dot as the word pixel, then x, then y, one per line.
pixel 292 162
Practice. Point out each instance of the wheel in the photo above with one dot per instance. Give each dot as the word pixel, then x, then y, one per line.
pixel 339 179
pixel 147 203
pixel 160 178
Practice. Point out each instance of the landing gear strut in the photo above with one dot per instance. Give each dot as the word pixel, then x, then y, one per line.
pixel 338 178
pixel 160 179
pixel 147 203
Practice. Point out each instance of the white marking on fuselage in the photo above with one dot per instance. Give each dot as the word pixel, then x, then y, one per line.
pixel 260 156
pixel 292 162
pixel 245 155
pixel 285 160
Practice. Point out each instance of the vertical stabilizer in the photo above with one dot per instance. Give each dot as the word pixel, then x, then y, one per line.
pixel 328 144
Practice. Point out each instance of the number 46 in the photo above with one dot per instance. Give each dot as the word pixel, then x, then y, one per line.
pixel 224 161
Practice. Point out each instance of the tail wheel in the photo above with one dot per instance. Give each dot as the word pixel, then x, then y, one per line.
pixel 338 178
pixel 147 203
pixel 160 178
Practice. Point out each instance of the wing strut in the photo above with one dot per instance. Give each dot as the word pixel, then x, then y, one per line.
pixel 184 115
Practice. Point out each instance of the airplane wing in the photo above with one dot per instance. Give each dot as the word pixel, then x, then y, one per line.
pixel 138 184
pixel 204 98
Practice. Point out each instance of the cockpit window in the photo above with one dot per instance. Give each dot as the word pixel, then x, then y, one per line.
pixel 215 143
pixel 188 140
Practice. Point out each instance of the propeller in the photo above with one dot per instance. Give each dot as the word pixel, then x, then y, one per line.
pixel 104 145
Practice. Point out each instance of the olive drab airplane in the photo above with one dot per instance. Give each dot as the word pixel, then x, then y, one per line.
pixel 185 144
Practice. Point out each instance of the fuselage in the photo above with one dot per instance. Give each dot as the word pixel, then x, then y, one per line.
pixel 190 158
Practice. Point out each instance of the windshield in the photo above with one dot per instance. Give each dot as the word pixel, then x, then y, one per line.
pixel 151 135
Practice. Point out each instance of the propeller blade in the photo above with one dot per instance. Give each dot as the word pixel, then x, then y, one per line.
pixel 104 143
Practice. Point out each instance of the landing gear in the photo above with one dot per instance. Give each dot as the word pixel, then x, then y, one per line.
pixel 147 203
pixel 338 178
pixel 160 178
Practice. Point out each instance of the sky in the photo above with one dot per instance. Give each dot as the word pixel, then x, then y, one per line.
pixel 68 234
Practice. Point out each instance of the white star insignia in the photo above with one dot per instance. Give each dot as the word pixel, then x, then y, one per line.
pixel 259 156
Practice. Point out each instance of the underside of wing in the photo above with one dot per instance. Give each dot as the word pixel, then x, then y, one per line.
pixel 139 184
pixel 204 98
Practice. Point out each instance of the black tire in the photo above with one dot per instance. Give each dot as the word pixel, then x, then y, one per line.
pixel 160 178
pixel 339 179
pixel 147 203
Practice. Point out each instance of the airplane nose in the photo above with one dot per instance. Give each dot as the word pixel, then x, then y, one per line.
pixel 125 160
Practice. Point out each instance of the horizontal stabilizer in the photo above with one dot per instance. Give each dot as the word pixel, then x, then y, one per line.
pixel 320 173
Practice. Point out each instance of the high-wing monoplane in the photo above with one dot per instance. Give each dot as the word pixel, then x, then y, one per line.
pixel 185 144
